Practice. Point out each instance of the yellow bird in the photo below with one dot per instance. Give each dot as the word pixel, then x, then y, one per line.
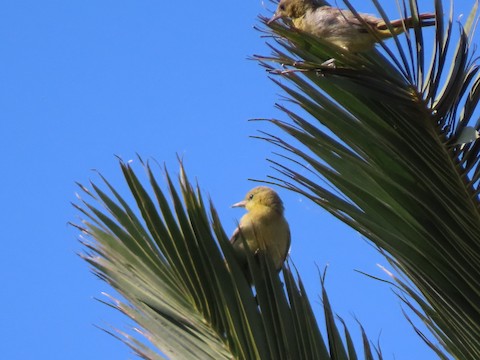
pixel 262 227
pixel 342 27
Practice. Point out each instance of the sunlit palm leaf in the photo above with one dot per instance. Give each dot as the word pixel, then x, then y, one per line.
pixel 173 265
pixel 390 139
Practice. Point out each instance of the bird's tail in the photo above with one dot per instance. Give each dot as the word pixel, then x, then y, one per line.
pixel 400 25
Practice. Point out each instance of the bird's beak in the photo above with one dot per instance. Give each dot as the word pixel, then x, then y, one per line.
pixel 240 204
pixel 275 17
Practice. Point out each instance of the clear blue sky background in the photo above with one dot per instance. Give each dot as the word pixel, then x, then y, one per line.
pixel 82 81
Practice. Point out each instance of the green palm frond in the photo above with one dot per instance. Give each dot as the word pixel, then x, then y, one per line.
pixel 395 139
pixel 172 263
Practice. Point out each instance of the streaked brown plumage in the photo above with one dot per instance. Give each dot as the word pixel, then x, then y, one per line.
pixel 342 27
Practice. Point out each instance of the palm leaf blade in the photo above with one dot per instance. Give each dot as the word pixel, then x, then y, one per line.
pixel 384 150
pixel 181 283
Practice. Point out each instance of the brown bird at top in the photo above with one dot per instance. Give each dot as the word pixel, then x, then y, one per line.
pixel 342 27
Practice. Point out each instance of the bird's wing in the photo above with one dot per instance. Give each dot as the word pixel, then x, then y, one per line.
pixel 288 246
pixel 235 236
pixel 369 19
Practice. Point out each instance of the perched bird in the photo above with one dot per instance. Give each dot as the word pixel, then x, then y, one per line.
pixel 262 227
pixel 342 27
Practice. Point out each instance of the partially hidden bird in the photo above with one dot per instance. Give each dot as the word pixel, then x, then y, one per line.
pixel 263 227
pixel 342 27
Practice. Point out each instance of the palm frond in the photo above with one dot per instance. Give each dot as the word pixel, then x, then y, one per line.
pixel 396 143
pixel 171 262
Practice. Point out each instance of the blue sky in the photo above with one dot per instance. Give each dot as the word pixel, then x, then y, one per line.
pixel 83 81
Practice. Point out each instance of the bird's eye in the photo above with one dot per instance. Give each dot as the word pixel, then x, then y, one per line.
pixel 250 197
pixel 282 7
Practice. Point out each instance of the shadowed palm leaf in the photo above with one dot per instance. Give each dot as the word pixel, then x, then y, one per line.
pixel 395 141
pixel 181 284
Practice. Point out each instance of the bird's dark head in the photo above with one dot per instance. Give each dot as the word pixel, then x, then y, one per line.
pixel 259 197
pixel 291 9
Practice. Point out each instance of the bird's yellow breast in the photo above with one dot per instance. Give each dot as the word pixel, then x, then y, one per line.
pixel 267 229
